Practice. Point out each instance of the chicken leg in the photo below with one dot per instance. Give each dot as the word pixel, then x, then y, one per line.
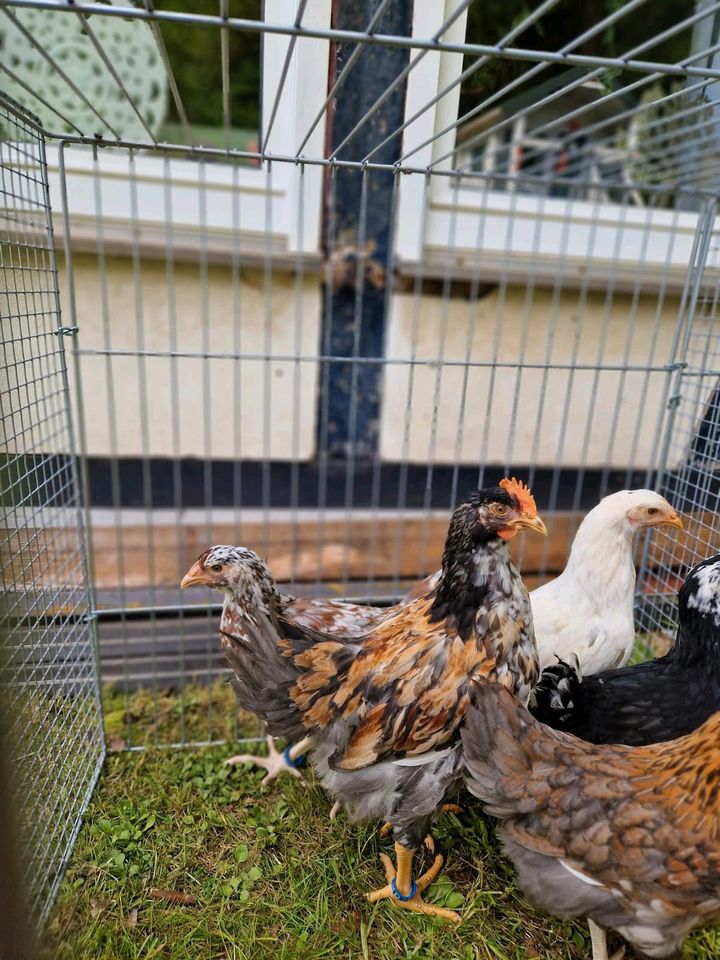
pixel 598 939
pixel 429 841
pixel 406 892
pixel 275 762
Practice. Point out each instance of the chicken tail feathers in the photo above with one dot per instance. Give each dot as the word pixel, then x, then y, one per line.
pixel 558 697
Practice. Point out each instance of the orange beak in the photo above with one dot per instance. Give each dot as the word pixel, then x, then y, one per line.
pixel 532 523
pixel 671 520
pixel 196 577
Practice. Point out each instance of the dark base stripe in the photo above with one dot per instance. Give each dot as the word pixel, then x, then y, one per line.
pixel 162 482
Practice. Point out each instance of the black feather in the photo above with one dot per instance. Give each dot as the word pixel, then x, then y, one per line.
pixel 650 702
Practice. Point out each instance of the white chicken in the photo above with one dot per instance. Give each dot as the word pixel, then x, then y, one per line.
pixel 588 610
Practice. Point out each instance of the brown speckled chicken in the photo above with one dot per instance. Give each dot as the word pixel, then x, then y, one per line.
pixel 380 714
pixel 338 618
pixel 627 836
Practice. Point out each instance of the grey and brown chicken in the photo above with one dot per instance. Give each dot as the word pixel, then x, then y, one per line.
pixel 627 836
pixel 380 714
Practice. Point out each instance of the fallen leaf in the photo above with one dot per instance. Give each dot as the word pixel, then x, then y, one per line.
pixel 131 919
pixel 173 896
pixel 116 744
pixel 97 905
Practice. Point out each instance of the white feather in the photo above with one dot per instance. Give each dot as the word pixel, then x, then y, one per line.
pixel 580 876
pixel 588 609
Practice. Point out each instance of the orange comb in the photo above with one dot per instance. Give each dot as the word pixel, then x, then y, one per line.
pixel 522 491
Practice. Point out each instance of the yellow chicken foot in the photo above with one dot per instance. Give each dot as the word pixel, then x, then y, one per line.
pixel 451 808
pixel 275 763
pixel 406 892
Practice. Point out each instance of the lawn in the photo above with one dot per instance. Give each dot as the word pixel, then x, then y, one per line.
pixel 270 875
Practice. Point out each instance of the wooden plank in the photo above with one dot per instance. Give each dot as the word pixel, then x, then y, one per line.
pixel 137 556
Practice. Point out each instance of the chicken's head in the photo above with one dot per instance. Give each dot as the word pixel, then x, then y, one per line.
pixel 641 508
pixel 496 512
pixel 699 596
pixel 234 570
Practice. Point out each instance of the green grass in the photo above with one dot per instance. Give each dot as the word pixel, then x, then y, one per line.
pixel 272 876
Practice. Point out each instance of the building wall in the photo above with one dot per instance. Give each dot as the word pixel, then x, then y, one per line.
pixel 189 405
pixel 505 413
pixel 252 408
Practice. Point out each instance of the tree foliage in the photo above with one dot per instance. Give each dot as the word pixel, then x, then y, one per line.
pixel 194 54
pixel 490 20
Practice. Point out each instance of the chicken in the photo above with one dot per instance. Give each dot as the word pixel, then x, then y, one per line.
pixel 588 610
pixel 380 714
pixel 627 836
pixel 649 702
pixel 336 617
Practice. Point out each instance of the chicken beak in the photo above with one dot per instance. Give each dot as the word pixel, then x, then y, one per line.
pixel 532 523
pixel 195 577
pixel 673 520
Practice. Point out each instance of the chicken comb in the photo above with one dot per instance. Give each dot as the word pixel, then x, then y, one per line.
pixel 522 491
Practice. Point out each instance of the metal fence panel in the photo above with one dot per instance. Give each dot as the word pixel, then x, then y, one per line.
pixel 50 688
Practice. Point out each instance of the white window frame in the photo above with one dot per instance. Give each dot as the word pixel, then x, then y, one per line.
pixel 270 195
pixel 518 229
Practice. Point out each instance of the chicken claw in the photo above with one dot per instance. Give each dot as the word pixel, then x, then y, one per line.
pixel 275 763
pixel 335 809
pixel 400 880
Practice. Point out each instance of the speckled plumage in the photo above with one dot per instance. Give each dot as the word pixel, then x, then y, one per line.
pixel 648 702
pixel 628 836
pixel 258 591
pixel 384 709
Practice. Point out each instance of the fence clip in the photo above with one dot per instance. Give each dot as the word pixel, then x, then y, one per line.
pixel 65 331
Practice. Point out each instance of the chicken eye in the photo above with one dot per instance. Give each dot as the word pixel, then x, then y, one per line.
pixel 500 510
pixel 652 511
pixel 217 567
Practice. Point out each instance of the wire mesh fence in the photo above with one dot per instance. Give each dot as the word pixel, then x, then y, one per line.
pixel 423 262
pixel 50 695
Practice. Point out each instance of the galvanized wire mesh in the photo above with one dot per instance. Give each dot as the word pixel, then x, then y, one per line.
pixel 690 454
pixel 50 691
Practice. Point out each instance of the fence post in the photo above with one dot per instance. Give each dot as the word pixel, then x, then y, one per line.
pixel 358 233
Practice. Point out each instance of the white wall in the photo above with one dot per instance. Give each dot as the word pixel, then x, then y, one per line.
pixel 440 413
pixel 255 408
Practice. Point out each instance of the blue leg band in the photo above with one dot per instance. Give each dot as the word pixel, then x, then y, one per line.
pixel 299 762
pixel 400 896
